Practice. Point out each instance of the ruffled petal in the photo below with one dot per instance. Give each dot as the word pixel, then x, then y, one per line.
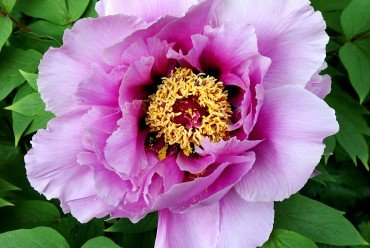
pixel 97 208
pixel 100 89
pixel 291 33
pixel 125 150
pixel 320 85
pixel 198 227
pixel 63 69
pixel 149 10
pixel 51 164
pixel 182 29
pixel 136 79
pixel 209 188
pixel 244 224
pixel 228 47
pixel 292 124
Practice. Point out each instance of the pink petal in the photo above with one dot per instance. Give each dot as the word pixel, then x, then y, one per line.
pixel 291 33
pixel 51 164
pixel 149 10
pixel 194 165
pixel 125 150
pixel 97 208
pixel 99 89
pixel 63 69
pixel 320 85
pixel 136 79
pixel 292 124
pixel 244 224
pixel 182 29
pixel 198 227
pixel 113 54
pixel 207 189
pixel 229 46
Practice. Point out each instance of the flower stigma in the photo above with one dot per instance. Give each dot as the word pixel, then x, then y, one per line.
pixel 188 107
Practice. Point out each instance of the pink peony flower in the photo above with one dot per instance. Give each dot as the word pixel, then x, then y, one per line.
pixel 196 109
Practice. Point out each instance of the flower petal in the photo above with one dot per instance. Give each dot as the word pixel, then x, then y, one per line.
pixel 244 224
pixel 208 189
pixel 125 150
pixel 291 33
pixel 149 10
pixel 320 85
pixel 51 164
pixel 97 208
pixel 99 89
pixel 63 69
pixel 198 227
pixel 292 124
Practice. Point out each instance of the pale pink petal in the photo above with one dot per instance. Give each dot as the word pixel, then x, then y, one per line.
pixel 110 186
pixel 149 10
pixel 51 164
pixel 289 32
pixel 113 55
pixel 97 208
pixel 228 47
pixel 207 189
pixel 125 150
pixel 160 178
pixel 244 224
pixel 198 227
pixel 99 89
pixel 292 124
pixel 63 69
pixel 182 29
pixel 320 85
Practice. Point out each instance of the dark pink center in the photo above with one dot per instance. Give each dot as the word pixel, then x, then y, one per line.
pixel 191 112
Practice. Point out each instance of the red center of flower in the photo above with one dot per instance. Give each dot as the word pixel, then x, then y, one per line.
pixel 191 112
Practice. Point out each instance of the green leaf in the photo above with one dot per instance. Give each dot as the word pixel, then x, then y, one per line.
pixel 8 5
pixel 5 186
pixel 48 29
pixel 39 122
pixel 332 11
pixel 40 237
pixel 330 144
pixel 6 27
pixel 139 240
pixel 21 122
pixel 353 126
pixel 357 62
pixel 356 18
pixel 31 78
pixel 51 10
pixel 4 203
pixel 28 214
pixel 29 106
pixel 126 226
pixel 76 233
pixel 11 61
pixel 76 8
pixel 100 242
pixel 316 221
pixel 283 238
pixel 90 11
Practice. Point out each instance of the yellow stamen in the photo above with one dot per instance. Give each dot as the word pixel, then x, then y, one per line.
pixel 163 152
pixel 182 84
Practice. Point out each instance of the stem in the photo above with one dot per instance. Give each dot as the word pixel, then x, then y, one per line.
pixel 16 23
pixel 361 36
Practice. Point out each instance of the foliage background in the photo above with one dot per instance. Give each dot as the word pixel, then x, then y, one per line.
pixel 314 218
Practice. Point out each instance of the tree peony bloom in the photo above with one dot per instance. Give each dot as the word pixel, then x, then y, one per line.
pixel 201 110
